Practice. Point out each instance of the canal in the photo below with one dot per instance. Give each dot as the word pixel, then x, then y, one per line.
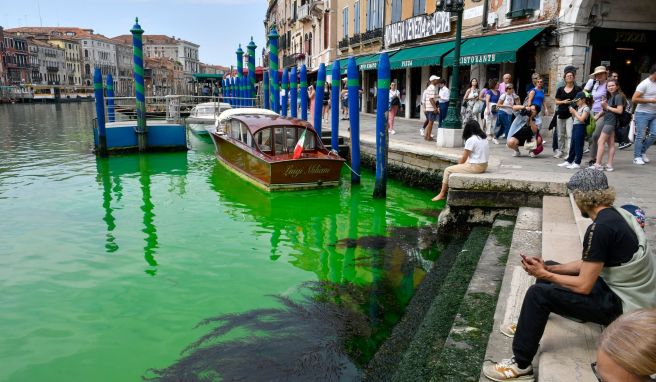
pixel 107 266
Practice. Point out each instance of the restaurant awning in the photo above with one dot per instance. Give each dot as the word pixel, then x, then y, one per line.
pixel 424 55
pixel 492 49
pixel 359 61
pixel 207 76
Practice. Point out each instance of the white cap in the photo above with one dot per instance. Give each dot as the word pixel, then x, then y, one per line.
pixel 433 78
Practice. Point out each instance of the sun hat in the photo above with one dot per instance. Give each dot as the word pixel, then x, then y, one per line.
pixel 433 78
pixel 588 179
pixel 599 69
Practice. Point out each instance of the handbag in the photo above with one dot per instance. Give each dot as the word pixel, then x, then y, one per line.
pixel 494 108
pixel 396 101
pixel 478 107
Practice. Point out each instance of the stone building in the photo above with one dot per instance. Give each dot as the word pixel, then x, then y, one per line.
pixel 16 59
pixel 72 56
pixel 124 79
pixel 164 76
pixel 49 68
pixel 3 74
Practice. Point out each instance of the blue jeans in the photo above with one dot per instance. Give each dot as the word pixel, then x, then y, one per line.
pixel 444 108
pixel 576 145
pixel 504 120
pixel 645 126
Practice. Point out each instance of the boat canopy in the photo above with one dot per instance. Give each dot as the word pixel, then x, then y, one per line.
pixel 245 111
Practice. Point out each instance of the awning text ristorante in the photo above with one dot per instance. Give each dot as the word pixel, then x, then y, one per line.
pixel 417 27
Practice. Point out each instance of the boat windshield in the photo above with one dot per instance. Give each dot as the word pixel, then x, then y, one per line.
pixel 204 111
pixel 284 139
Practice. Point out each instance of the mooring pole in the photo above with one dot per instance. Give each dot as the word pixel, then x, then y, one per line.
pixel 304 93
pixel 137 56
pixel 334 105
pixel 250 48
pixel 240 74
pixel 293 93
pixel 100 112
pixel 265 84
pixel 285 89
pixel 110 98
pixel 318 98
pixel 273 68
pixel 382 106
pixel 353 84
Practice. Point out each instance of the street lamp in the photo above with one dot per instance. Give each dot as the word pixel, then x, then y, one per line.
pixel 452 121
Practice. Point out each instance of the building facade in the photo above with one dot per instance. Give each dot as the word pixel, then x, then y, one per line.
pixel 164 76
pixel 72 56
pixel 124 79
pixel 16 59
pixel 49 68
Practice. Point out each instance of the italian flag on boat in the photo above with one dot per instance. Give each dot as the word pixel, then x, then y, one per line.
pixel 299 146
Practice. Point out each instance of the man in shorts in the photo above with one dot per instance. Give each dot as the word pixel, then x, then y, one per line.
pixel 430 103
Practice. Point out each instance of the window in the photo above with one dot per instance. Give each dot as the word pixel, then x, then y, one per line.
pixel 521 8
pixel 356 18
pixel 235 129
pixel 418 7
pixel 374 14
pixel 345 18
pixel 396 10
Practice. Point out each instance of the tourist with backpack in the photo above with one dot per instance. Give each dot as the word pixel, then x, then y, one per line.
pixel 580 118
pixel 613 107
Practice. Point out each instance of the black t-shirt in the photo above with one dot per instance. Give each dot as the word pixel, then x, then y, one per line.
pixel 609 239
pixel 563 110
pixel 610 118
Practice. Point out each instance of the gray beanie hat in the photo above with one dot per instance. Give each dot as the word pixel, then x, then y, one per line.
pixel 588 180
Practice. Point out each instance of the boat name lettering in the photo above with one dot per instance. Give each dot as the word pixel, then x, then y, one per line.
pixel 293 171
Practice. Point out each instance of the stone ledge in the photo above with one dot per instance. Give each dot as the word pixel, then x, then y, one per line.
pixel 504 181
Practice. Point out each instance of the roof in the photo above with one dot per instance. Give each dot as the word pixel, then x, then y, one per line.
pixel 75 32
pixel 44 44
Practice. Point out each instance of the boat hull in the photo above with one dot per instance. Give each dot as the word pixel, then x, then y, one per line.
pixel 277 175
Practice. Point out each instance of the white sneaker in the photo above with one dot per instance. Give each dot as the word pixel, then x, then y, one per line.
pixel 639 161
pixel 421 132
pixel 586 150
pixel 516 153
pixel 573 166
pixel 644 158
pixel 507 370
pixel 494 140
pixel 503 136
pixel 558 154
pixel 392 132
pixel 564 164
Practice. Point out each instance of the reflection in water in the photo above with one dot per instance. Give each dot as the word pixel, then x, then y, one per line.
pixel 111 170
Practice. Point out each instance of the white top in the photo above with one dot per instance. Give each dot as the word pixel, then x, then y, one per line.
pixel 444 94
pixel 506 103
pixel 479 149
pixel 394 93
pixel 429 93
pixel 648 90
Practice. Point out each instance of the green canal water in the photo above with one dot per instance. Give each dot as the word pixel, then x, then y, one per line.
pixel 108 265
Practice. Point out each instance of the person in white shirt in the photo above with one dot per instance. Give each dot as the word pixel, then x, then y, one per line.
pixel 645 117
pixel 394 104
pixel 430 103
pixel 474 157
pixel 443 98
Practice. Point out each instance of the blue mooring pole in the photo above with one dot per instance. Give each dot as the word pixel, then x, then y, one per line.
pixel 318 98
pixel 111 116
pixel 353 84
pixel 304 92
pixel 233 91
pixel 293 93
pixel 382 106
pixel 244 91
pixel 265 95
pixel 250 48
pixel 139 85
pixel 334 105
pixel 100 112
pixel 285 89
pixel 273 68
pixel 240 75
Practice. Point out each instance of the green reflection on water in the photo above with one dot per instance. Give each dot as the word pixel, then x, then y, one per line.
pixel 106 265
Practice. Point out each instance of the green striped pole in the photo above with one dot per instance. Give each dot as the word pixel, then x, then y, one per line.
pixel 273 69
pixel 250 48
pixel 240 74
pixel 139 85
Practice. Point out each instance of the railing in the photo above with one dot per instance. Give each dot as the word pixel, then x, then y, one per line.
pixel 372 35
pixel 343 43
pixel 355 39
pixel 304 12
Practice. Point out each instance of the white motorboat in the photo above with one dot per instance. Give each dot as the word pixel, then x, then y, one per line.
pixel 204 116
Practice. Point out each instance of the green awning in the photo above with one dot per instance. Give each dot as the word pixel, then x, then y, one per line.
pixel 207 76
pixel 360 60
pixel 492 49
pixel 424 55
pixel 368 62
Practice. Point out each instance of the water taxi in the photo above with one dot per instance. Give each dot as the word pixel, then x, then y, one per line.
pixel 205 115
pixel 274 152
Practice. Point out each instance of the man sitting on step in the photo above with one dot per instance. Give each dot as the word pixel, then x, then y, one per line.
pixel 616 274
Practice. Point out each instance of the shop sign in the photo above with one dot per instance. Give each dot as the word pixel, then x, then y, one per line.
pixel 478 59
pixel 417 27
pixel 369 66
pixel 631 37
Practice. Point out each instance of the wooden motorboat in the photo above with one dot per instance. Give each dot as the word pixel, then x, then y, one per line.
pixel 204 115
pixel 259 145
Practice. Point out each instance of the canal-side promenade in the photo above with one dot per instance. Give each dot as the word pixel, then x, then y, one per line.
pixel 632 182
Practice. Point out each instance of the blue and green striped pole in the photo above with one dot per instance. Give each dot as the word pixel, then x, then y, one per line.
pixel 285 88
pixel 265 94
pixel 240 74
pixel 110 98
pixel 353 83
pixel 233 92
pixel 382 105
pixel 334 101
pixel 304 92
pixel 100 111
pixel 318 98
pixel 273 68
pixel 293 93
pixel 250 48
pixel 137 56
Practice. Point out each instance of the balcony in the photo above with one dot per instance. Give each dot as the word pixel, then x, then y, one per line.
pixel 292 60
pixel 343 43
pixel 304 12
pixel 52 69
pixel 372 36
pixel 355 39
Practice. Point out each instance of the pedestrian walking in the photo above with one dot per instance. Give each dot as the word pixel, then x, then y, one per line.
pixel 613 106
pixel 597 87
pixel 432 109
pixel 394 104
pixel 564 121
pixel 491 108
pixel 645 117
pixel 311 96
pixel 580 117
pixel 422 104
pixel 469 100
pixel 326 104
pixel 344 99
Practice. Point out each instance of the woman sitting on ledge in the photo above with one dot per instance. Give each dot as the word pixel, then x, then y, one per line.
pixel 474 157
